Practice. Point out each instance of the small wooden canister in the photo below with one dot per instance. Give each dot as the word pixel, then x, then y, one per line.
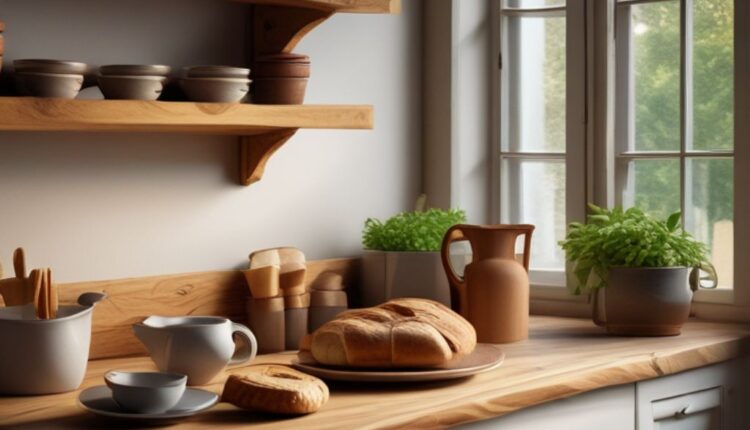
pixel 295 319
pixel 263 281
pixel 324 306
pixel 266 320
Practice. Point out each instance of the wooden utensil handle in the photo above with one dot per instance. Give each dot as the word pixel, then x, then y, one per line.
pixel 19 263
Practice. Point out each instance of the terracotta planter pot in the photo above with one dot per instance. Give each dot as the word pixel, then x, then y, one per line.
pixel 281 91
pixel 645 301
pixel 281 70
pixel 388 275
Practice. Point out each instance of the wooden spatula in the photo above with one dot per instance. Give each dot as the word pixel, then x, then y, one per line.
pixel 52 295
pixel 19 290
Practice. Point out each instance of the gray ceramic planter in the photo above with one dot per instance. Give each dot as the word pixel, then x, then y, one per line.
pixel 645 301
pixel 388 275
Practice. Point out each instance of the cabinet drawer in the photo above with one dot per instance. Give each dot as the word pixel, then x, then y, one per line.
pixel 688 404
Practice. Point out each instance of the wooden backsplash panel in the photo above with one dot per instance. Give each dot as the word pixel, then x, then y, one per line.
pixel 222 293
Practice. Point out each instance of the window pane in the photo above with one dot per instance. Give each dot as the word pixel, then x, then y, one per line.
pixel 653 186
pixel 529 4
pixel 713 74
pixel 655 32
pixel 536 84
pixel 709 210
pixel 537 196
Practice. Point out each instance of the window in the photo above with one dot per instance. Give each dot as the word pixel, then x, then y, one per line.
pixel 675 115
pixel 532 149
pixel 667 72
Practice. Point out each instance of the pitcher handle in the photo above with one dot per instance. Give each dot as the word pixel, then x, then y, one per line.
pixel 696 280
pixel 526 247
pixel 250 348
pixel 457 284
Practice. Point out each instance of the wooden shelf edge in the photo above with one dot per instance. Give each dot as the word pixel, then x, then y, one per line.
pixel 40 114
pixel 339 6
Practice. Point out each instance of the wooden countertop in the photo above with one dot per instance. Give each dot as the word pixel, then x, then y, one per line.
pixel 563 357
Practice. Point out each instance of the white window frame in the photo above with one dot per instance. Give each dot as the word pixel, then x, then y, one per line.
pixel 546 284
pixel 591 149
pixel 625 116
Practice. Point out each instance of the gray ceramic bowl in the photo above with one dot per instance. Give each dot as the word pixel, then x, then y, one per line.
pixel 131 87
pixel 50 66
pixel 216 90
pixel 135 70
pixel 146 392
pixel 216 72
pixel 54 85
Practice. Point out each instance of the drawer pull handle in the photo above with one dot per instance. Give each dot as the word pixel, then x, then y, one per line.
pixel 682 412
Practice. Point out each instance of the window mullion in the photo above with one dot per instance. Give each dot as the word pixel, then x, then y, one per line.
pixel 686 101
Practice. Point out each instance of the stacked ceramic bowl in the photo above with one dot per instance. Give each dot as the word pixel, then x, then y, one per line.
pixel 49 78
pixel 217 84
pixel 2 43
pixel 132 81
pixel 281 79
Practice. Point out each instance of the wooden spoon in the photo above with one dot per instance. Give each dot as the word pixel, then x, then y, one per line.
pixel 52 295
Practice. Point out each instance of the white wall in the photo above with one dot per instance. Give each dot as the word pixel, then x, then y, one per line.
pixel 105 206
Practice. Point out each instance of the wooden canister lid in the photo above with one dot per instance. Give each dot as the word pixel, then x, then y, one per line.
pixel 260 306
pixel 328 281
pixel 328 299
pixel 300 301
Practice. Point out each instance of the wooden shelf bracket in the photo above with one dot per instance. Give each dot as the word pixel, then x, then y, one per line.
pixel 278 29
pixel 256 150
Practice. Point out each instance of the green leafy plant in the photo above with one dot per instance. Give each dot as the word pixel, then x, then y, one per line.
pixel 628 238
pixel 411 231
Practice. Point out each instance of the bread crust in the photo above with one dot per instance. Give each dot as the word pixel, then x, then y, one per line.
pixel 407 333
pixel 276 389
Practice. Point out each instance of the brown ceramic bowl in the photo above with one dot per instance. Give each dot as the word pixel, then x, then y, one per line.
pixel 134 70
pixel 131 87
pixel 55 85
pixel 217 72
pixel 215 90
pixel 280 91
pixel 50 66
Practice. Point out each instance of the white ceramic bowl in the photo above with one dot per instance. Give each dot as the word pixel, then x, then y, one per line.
pixel 54 85
pixel 135 70
pixel 50 66
pixel 217 90
pixel 131 87
pixel 146 392
pixel 216 72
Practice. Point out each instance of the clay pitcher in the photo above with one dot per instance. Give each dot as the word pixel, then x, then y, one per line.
pixel 494 291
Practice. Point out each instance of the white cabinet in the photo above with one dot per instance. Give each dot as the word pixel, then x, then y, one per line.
pixel 700 399
pixel 715 397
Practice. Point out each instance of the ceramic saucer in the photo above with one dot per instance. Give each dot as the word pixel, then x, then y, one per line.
pixel 99 400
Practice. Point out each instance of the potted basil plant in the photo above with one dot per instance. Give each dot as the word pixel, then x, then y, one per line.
pixel 402 256
pixel 641 271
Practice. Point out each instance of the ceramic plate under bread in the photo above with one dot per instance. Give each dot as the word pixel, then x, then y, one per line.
pixel 485 357
pixel 99 401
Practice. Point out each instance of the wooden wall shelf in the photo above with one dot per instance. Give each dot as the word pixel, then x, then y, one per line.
pixel 39 114
pixel 276 26
pixel 262 128
pixel 349 6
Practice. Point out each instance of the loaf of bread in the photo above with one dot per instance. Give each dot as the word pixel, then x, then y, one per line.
pixel 276 389
pixel 401 333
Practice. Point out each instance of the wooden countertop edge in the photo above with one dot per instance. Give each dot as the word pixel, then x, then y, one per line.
pixel 567 385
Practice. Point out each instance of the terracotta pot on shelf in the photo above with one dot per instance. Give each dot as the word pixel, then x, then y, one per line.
pixel 493 294
pixel 280 78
